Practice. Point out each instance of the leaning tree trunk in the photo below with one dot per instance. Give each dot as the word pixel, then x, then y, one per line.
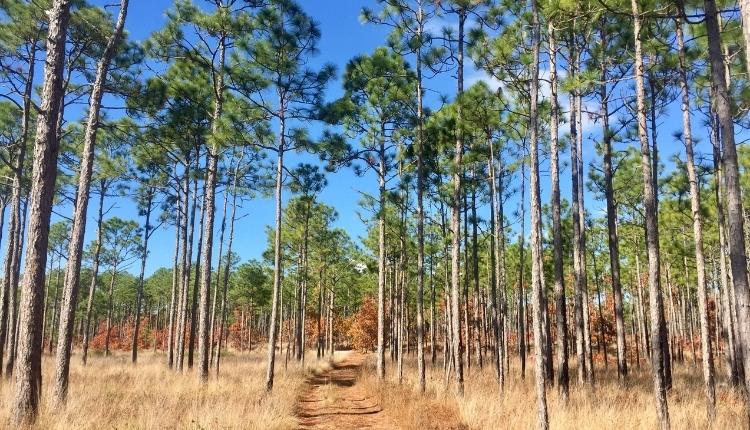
pixel 536 229
pixel 560 305
pixel 227 266
pixel 736 230
pixel 110 309
pixel 28 368
pixel 75 248
pixel 94 275
pixel 139 293
pixel 212 328
pixel 15 227
pixel 695 206
pixel 652 233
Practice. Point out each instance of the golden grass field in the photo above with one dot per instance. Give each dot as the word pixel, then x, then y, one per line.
pixel 110 393
pixel 606 406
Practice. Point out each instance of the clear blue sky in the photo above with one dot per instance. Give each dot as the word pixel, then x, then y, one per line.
pixel 343 36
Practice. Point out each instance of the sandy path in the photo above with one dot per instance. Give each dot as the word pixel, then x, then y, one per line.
pixel 334 400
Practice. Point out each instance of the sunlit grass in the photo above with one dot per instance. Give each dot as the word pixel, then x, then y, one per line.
pixel 112 393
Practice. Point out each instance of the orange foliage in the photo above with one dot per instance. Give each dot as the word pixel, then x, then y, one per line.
pixel 363 326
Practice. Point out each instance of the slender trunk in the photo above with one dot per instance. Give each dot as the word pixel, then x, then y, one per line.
pixel 736 230
pixel 73 269
pixel 273 327
pixel 173 295
pixel 536 223
pixel 695 206
pixel 208 227
pixel 197 279
pixel 94 275
pixel 613 239
pixel 578 309
pixel 144 255
pixel 560 302
pixel 15 227
pixel 456 219
pixel 520 313
pixel 420 220
pixel 28 368
pixel 227 267
pixel 381 258
pixel 652 232
pixel 109 309
pixel 212 324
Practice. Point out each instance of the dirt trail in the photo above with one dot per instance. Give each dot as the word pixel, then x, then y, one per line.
pixel 333 400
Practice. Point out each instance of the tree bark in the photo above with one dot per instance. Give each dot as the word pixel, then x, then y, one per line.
pixel 273 326
pixel 94 276
pixel 139 294
pixel 613 239
pixel 560 302
pixel 75 248
pixel 736 233
pixel 695 207
pixel 536 223
pixel 28 370
pixel 456 218
pixel 652 232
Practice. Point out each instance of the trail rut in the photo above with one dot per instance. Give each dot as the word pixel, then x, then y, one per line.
pixel 333 400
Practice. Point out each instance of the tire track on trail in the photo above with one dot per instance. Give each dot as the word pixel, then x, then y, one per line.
pixel 333 400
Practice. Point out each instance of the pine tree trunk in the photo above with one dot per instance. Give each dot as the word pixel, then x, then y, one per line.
pixel 28 368
pixel 139 294
pixel 173 296
pixel 560 302
pixel 695 206
pixel 736 231
pixel 578 309
pixel 613 239
pixel 212 329
pixel 223 313
pixel 94 275
pixel 652 232
pixel 273 327
pixel 110 309
pixel 208 227
pixel 75 249
pixel 15 227
pixel 197 280
pixel 536 223
pixel 381 259
pixel 456 220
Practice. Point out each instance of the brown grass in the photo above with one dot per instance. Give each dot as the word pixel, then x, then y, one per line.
pixel 607 405
pixel 112 393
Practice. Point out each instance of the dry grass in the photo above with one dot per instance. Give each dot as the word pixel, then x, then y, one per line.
pixel 111 393
pixel 607 405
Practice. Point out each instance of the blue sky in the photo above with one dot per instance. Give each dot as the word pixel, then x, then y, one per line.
pixel 343 37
